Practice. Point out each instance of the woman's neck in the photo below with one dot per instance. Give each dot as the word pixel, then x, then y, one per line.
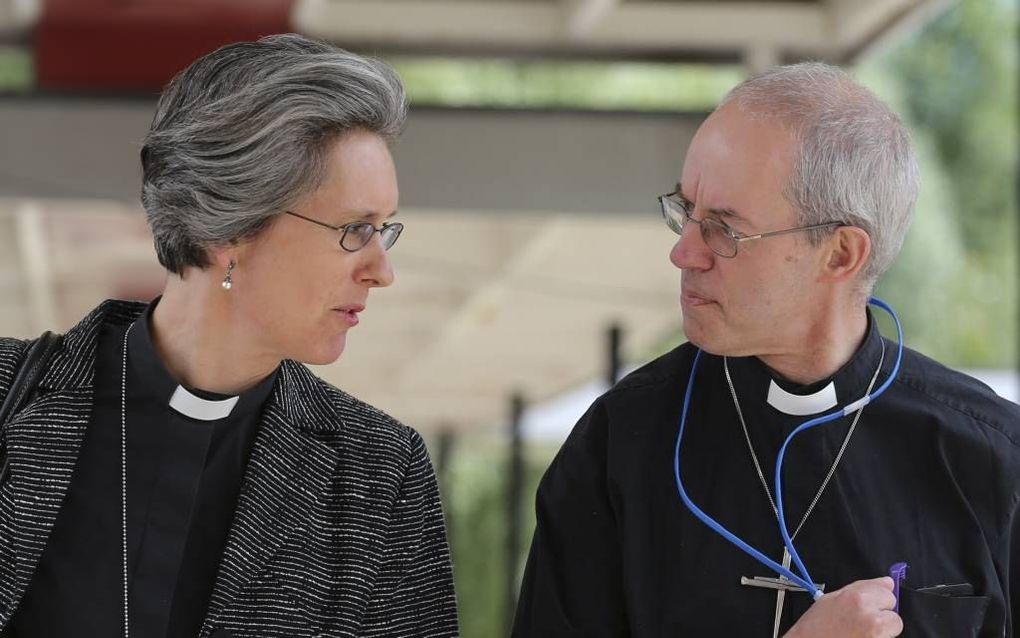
pixel 201 340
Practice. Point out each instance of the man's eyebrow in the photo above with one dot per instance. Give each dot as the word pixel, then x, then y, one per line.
pixel 680 193
pixel 719 212
pixel 727 212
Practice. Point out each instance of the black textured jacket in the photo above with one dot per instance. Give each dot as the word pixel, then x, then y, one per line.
pixel 338 529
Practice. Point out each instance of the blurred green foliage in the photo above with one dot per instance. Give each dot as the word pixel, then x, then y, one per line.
pixel 475 496
pixel 16 70
pixel 588 85
pixel 955 85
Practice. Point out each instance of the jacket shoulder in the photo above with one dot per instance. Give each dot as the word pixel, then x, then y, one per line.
pixel 666 369
pixel 11 353
pixel 957 393
pixel 367 423
pixel 649 387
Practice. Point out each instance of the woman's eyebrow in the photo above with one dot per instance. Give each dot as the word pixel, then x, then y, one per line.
pixel 364 215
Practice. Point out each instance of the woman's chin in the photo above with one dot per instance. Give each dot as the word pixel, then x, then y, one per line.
pixel 326 353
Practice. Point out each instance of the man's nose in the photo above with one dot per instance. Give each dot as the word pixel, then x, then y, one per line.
pixel 690 250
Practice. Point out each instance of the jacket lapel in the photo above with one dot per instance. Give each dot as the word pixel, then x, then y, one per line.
pixel 44 441
pixel 51 428
pixel 288 470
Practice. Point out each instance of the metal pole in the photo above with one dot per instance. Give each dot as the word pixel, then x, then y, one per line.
pixel 615 335
pixel 515 482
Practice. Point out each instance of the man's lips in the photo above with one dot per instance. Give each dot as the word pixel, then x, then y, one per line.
pixel 692 298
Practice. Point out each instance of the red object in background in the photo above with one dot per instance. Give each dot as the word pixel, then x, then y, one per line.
pixel 138 45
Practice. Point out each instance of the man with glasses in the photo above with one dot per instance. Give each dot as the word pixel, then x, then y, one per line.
pixel 795 196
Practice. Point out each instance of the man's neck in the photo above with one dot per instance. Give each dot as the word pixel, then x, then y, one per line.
pixel 824 348
pixel 202 343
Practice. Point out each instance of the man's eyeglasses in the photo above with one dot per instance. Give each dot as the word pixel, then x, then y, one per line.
pixel 356 235
pixel 719 237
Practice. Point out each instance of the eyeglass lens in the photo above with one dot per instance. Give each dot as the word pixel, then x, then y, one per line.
pixel 713 232
pixel 357 235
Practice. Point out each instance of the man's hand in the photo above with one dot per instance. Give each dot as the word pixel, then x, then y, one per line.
pixel 863 609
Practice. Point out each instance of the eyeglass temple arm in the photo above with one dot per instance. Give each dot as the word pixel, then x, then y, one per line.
pixel 788 230
pixel 315 221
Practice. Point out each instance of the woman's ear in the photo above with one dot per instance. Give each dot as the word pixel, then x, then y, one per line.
pixel 223 255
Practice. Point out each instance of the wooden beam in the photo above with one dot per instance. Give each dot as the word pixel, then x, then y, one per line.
pixel 636 26
pixel 861 29
pixel 760 58
pixel 18 17
pixel 581 16
pixel 30 231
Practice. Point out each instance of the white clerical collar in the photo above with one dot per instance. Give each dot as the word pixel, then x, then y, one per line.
pixel 801 404
pixel 196 407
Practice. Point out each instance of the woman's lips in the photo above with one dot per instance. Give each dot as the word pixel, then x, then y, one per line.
pixel 350 314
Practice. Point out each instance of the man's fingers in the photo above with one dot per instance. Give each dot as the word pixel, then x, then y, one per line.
pixel 862 608
pixel 876 593
pixel 889 624
pixel 885 582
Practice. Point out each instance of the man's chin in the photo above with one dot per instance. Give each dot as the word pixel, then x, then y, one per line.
pixel 711 344
pixel 709 348
pixel 696 335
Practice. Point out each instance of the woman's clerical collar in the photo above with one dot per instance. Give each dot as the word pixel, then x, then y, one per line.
pixel 195 407
pixel 157 383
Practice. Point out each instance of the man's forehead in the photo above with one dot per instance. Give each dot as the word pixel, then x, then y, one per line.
pixel 732 152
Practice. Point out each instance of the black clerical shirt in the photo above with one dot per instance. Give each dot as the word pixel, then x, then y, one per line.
pixel 184 477
pixel 931 477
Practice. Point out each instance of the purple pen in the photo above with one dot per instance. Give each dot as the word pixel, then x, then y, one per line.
pixel 897 572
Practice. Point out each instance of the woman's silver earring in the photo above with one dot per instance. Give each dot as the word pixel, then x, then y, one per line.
pixel 228 282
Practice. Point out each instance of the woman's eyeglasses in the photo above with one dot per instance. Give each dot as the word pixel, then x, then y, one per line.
pixel 356 235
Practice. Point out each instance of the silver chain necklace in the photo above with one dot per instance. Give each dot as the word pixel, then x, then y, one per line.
pixel 123 475
pixel 835 463
pixel 783 584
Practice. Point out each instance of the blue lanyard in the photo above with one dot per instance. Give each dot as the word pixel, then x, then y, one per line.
pixel 803 579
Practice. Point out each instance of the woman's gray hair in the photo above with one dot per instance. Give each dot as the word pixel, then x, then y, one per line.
pixel 854 160
pixel 243 132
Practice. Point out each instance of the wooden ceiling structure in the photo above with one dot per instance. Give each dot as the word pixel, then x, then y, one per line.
pixel 514 262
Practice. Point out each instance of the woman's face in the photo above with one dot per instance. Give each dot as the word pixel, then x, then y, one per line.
pixel 298 289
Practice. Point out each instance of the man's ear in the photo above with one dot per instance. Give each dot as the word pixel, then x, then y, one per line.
pixel 847 251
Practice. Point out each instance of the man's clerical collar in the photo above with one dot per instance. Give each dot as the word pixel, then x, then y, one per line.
pixel 146 365
pixel 753 378
pixel 801 404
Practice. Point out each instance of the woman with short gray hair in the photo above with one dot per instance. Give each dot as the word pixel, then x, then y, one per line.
pixel 176 470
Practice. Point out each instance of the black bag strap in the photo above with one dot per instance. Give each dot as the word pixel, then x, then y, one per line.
pixel 26 380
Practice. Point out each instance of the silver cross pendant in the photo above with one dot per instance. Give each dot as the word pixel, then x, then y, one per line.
pixel 781 585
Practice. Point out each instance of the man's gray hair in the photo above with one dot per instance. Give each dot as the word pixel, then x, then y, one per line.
pixel 854 160
pixel 243 132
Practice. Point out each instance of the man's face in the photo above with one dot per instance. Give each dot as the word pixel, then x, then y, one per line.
pixel 759 302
